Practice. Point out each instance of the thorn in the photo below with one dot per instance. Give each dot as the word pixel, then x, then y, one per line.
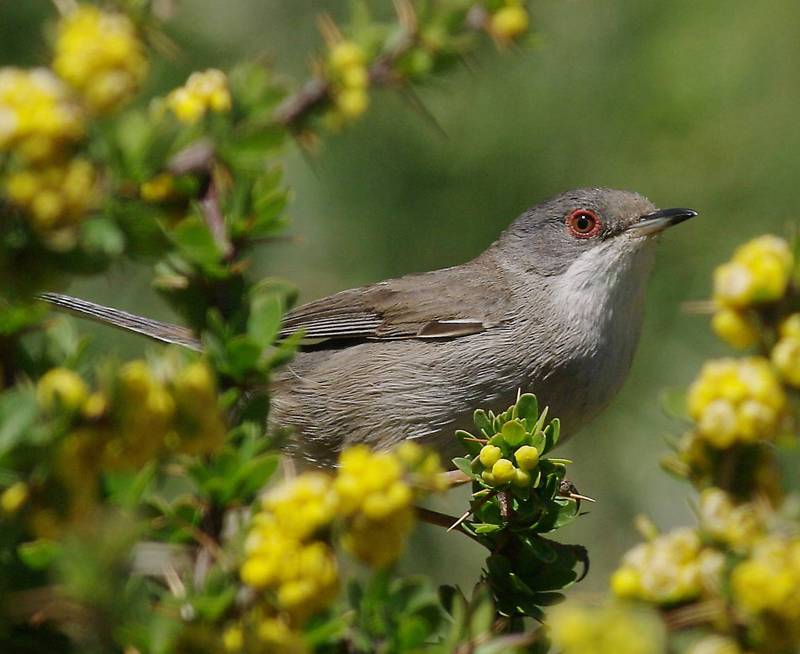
pixel 459 521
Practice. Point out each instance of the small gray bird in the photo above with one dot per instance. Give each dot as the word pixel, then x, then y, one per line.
pixel 553 307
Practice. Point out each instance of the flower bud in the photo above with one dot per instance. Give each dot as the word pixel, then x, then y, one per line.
pixel 489 455
pixel 503 471
pixel 527 457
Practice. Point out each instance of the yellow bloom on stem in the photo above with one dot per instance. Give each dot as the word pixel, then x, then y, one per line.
pixel 203 92
pixel 100 54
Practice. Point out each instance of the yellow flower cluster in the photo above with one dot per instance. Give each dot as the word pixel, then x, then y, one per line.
pixel 769 581
pixel 671 568
pixel 611 629
pixel 38 116
pixel 377 503
pixel 509 22
pixel 738 526
pixel 283 550
pixel 347 63
pixel 737 401
pixel 55 196
pixel 288 551
pixel 758 273
pixel 100 54
pixel 142 416
pixel 203 92
pixel 263 635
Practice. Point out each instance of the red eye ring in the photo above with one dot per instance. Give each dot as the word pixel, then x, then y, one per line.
pixel 583 223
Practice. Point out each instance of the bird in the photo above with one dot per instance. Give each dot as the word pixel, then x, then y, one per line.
pixel 554 307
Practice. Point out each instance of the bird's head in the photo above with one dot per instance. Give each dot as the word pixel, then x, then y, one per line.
pixel 587 229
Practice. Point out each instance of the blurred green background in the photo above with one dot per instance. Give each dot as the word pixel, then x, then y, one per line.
pixel 690 103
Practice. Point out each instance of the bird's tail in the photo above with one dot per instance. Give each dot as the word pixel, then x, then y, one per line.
pixel 155 329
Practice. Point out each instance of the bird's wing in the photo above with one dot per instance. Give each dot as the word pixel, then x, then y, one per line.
pixel 437 305
pixel 427 306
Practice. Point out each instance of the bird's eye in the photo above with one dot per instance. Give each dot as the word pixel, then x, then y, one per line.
pixel 583 223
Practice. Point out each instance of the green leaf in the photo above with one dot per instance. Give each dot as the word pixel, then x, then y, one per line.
pixel 102 235
pixel 551 435
pixel 514 433
pixel 251 477
pixel 527 409
pixel 486 528
pixel 482 421
pixel 465 466
pixel 18 410
pixel 266 310
pixel 541 549
pixel 39 554
pixel 195 242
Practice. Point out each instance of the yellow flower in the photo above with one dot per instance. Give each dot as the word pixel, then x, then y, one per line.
pixel 39 118
pixel 736 525
pixel 663 571
pixel 276 637
pixel 347 55
pixel 790 327
pixel 100 54
pixel 157 189
pixel 204 91
pixel 60 387
pixel 13 497
pixel 758 272
pixel 786 358
pixel 509 22
pixel 302 506
pixel 734 328
pixel 372 492
pixel 715 645
pixel 611 629
pixel 233 639
pixel 736 400
pixel 56 197
pixel 351 103
pixel 769 579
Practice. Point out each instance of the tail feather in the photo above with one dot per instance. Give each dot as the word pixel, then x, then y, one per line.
pixel 155 329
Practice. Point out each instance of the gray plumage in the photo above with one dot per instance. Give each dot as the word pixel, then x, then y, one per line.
pixel 545 309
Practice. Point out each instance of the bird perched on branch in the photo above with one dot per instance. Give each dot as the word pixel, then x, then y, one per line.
pixel 553 307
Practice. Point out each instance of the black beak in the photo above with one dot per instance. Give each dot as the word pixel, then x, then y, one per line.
pixel 658 221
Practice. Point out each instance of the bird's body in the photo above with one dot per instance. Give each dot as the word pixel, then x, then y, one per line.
pixel 555 336
pixel 553 307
